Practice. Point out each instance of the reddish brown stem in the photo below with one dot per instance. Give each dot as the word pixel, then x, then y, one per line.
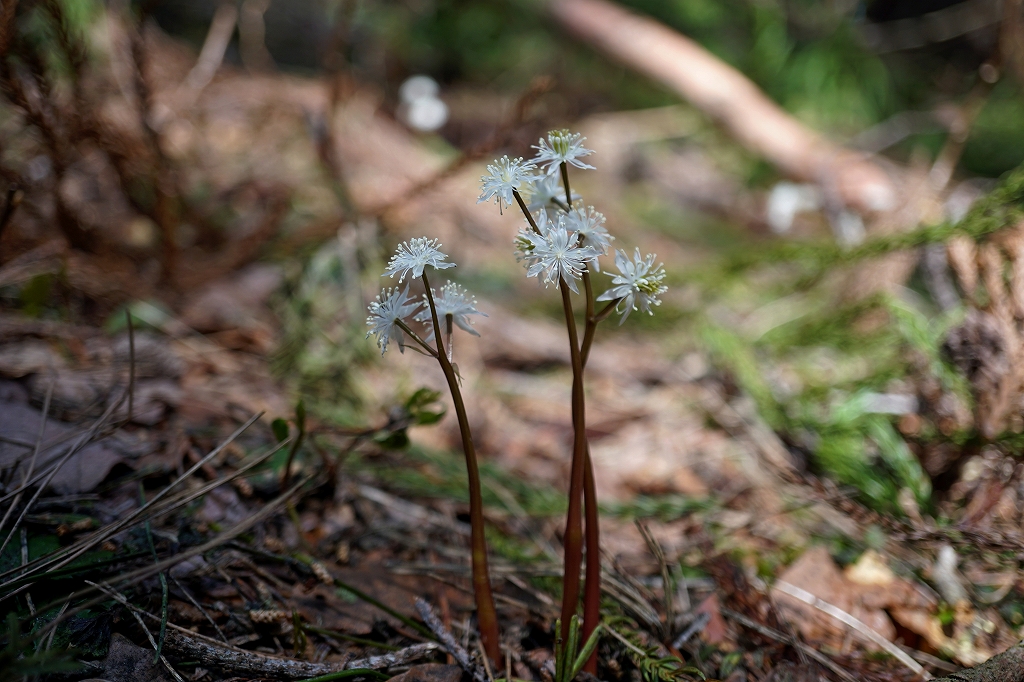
pixel 592 586
pixel 574 518
pixel 487 615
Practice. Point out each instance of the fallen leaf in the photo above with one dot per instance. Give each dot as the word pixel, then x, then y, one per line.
pixel 430 672
pixel 716 631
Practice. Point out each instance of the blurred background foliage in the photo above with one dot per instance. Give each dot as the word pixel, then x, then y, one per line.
pixel 812 57
pixel 823 61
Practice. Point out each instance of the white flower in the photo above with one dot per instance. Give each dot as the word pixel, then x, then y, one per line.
pixel 589 225
pixel 528 239
pixel 455 301
pixel 414 255
pixel 638 285
pixel 544 190
pixel 558 255
pixel 561 147
pixel 504 176
pixel 391 306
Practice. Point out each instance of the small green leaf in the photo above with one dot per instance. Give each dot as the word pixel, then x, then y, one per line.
pixel 421 399
pixel 280 428
pixel 588 649
pixel 426 417
pixel 393 440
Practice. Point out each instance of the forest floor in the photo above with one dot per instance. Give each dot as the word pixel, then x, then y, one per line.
pixel 159 514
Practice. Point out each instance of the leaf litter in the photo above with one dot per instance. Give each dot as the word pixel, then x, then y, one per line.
pixel 320 578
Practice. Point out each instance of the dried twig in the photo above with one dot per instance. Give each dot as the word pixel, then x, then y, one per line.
pixel 698 624
pixel 123 601
pixel 253 664
pixel 460 655
pixel 728 97
pixel 772 633
pixel 853 623
pixel 655 548
pixel 211 56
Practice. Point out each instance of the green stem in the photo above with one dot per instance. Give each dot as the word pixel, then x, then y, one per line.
pixel 574 518
pixel 487 615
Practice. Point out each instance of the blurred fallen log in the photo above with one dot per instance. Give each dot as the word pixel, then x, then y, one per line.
pixel 730 99
pixel 253 664
pixel 1005 667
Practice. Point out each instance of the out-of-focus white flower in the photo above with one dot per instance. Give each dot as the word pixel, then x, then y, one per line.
pixel 638 284
pixel 588 223
pixel 426 114
pixel 503 177
pixel 414 255
pixel 452 300
pixel 420 107
pixel 561 147
pixel 544 190
pixel 558 255
pixel 418 87
pixel 391 306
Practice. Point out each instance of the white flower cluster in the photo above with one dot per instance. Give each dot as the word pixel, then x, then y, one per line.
pixel 562 240
pixel 393 307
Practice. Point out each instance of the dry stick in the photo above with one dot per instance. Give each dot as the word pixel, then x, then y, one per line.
pixel 208 651
pixel 486 613
pixel 460 655
pixel 698 624
pixel 659 554
pixel 791 641
pixel 211 56
pixel 195 603
pixel 253 664
pixel 728 97
pixel 121 599
pixel 853 623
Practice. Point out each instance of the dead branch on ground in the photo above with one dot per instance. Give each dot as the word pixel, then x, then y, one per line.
pixel 730 99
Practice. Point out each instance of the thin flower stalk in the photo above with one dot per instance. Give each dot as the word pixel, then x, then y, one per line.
pixel 487 615
pixel 573 538
pixel 574 517
pixel 565 246
pixel 592 584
